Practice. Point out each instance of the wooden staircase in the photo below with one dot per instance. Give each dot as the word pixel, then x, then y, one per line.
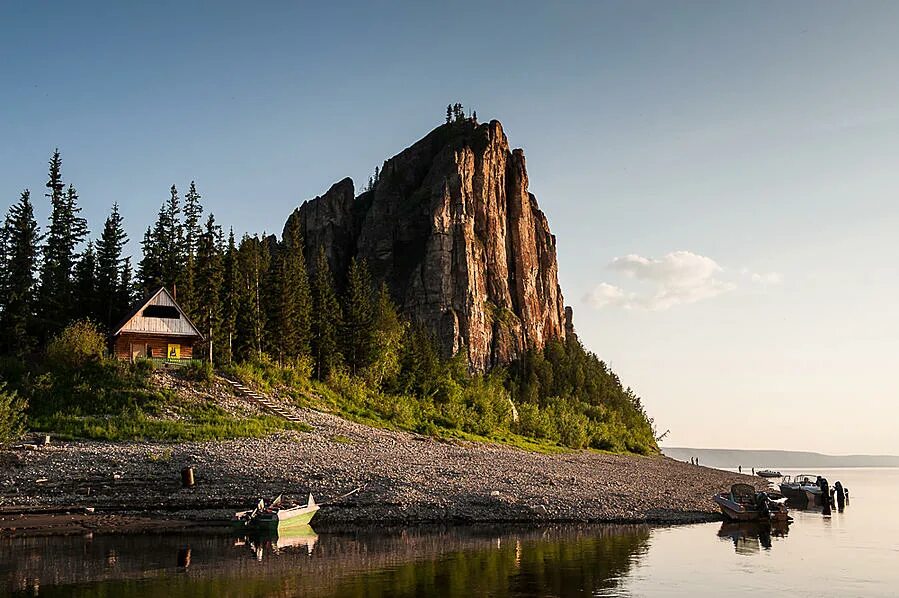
pixel 263 402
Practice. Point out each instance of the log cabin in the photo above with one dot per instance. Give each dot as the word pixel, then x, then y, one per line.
pixel 157 328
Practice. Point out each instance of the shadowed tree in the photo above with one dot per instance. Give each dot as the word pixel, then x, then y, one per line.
pixel 109 268
pixel 66 231
pixel 326 320
pixel 357 331
pixel 19 247
pixel 295 301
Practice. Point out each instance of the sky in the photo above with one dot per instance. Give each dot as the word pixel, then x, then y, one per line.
pixel 721 177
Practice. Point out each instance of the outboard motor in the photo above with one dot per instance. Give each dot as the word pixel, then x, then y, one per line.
pixel 761 502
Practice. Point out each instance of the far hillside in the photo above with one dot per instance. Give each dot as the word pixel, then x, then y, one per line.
pixel 770 458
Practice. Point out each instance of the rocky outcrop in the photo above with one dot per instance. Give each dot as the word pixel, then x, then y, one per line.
pixel 452 228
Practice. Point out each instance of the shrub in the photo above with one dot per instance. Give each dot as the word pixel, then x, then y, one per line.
pixel 79 344
pixel 199 371
pixel 12 415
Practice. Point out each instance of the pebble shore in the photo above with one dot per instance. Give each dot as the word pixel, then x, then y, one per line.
pixel 389 476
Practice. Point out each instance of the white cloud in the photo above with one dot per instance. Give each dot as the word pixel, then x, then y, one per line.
pixel 679 277
pixel 605 294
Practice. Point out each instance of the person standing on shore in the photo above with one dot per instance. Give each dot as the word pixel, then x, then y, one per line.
pixel 739 469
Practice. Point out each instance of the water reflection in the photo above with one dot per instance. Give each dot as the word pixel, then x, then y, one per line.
pixel 562 561
pixel 748 537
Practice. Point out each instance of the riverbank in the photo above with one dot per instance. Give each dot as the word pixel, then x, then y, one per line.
pixel 387 477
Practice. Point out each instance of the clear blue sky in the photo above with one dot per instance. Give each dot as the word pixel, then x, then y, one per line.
pixel 739 159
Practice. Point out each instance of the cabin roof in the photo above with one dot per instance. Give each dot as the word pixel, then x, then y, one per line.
pixel 137 323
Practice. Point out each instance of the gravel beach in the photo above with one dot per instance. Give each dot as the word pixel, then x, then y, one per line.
pixel 391 477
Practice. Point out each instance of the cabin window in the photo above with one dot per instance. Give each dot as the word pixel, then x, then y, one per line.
pixel 167 312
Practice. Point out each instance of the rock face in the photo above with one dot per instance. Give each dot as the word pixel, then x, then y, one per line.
pixel 463 246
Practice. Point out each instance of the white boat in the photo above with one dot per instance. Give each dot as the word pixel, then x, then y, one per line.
pixel 802 489
pixel 276 517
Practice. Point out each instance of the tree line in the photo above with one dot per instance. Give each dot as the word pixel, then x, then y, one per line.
pixel 263 301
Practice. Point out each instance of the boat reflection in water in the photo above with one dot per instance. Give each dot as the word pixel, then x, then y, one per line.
pixel 297 540
pixel 749 537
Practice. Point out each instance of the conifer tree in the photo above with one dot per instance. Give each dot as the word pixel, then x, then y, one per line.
pixel 85 285
pixel 19 246
pixel 193 211
pixel 449 113
pixel 125 291
pixel 171 241
pixel 65 233
pixel 269 293
pixel 326 320
pixel 357 332
pixel 250 317
pixel 230 298
pixel 295 301
pixel 387 341
pixel 109 268
pixel 149 269
pixel 210 279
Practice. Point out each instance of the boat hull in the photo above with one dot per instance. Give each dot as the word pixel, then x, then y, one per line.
pixel 737 512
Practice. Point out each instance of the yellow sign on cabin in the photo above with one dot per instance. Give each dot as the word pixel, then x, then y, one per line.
pixel 174 351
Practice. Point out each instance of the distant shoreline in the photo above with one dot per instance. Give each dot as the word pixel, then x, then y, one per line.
pixel 398 477
pixel 760 459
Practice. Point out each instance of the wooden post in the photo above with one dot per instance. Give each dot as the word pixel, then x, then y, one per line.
pixel 187 477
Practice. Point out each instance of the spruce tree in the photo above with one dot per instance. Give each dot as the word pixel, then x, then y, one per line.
pixel 250 317
pixel 230 300
pixel 125 294
pixel 270 292
pixel 65 233
pixel 295 301
pixel 193 211
pixel 85 285
pixel 210 280
pixel 326 320
pixel 20 238
pixel 149 269
pixel 171 241
pixel 357 331
pixel 109 268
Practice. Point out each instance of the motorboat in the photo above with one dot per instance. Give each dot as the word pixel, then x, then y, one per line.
pixel 744 503
pixel 768 473
pixel 802 489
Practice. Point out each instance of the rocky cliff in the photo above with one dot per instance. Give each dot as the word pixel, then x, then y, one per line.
pixel 463 246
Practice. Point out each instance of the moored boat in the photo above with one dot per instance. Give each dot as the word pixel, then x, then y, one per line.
pixel 277 517
pixel 768 473
pixel 802 489
pixel 744 503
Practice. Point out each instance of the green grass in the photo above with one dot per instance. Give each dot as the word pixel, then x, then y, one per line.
pixel 199 422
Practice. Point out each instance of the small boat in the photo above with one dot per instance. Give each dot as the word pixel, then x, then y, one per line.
pixel 744 503
pixel 276 517
pixel 802 489
pixel 768 473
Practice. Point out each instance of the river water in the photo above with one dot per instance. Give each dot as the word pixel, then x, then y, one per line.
pixel 853 553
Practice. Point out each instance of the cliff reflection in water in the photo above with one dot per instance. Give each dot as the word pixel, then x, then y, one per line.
pixel 437 562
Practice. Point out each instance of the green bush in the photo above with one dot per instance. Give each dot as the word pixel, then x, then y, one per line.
pixel 199 371
pixel 12 415
pixel 80 343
